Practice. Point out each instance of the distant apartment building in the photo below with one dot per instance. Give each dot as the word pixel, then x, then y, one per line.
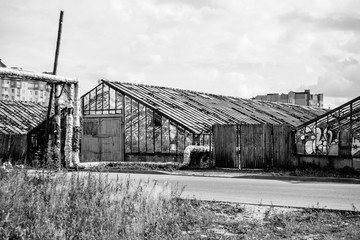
pixel 300 98
pixel 22 89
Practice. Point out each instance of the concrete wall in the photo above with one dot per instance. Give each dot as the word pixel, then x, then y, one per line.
pixel 324 161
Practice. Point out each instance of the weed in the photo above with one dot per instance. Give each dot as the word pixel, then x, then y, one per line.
pixel 45 205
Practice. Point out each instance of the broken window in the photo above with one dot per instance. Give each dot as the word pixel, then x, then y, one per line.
pixel 173 138
pixel 157 120
pixel 119 102
pixel 127 125
pixel 112 101
pixel 149 131
pixel 105 99
pixel 135 127
pixel 99 100
pixel 142 128
pixel 165 135
pixel 181 139
pixel 188 138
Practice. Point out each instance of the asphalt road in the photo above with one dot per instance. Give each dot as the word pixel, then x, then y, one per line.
pixel 339 196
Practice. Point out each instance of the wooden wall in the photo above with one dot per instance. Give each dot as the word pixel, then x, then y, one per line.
pixel 225 143
pixel 13 148
pixel 252 146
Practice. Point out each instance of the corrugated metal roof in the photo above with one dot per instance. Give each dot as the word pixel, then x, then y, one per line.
pixel 345 116
pixel 18 117
pixel 199 111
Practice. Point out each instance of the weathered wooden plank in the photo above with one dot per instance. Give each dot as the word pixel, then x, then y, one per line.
pixel 224 137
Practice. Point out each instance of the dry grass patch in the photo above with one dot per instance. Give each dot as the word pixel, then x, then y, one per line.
pixel 71 206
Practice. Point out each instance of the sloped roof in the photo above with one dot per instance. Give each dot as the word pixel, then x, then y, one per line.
pixel 18 117
pixel 2 64
pixel 346 116
pixel 199 111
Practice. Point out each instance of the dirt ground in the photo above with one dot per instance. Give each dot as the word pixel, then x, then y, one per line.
pixel 238 221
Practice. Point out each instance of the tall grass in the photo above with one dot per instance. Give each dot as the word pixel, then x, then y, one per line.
pixel 68 206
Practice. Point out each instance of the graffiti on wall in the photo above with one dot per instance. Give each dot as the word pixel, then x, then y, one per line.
pixel 355 148
pixel 317 140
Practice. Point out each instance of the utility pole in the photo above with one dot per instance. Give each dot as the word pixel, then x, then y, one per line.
pixel 47 127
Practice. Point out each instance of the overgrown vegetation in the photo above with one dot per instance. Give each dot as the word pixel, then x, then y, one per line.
pixel 47 205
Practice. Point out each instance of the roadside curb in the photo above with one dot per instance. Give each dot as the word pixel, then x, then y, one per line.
pixel 255 176
pixel 130 171
pixel 284 178
pixel 304 179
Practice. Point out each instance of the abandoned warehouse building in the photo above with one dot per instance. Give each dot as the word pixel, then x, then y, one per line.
pixel 136 122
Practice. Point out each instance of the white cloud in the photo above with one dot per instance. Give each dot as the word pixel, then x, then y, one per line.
pixel 240 48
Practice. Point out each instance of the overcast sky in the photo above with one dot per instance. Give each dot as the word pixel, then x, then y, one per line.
pixel 239 48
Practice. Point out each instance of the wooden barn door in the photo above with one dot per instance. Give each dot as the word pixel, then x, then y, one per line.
pixel 225 142
pixel 102 139
pixel 255 146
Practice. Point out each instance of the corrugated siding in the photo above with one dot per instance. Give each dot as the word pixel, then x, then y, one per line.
pixel 18 117
pixel 199 111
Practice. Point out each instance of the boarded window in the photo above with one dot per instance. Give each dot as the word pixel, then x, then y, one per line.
pixel 91 127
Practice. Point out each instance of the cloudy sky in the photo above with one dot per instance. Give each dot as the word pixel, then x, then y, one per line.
pixel 231 47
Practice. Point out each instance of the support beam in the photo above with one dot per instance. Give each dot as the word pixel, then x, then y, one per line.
pixel 49 78
pixel 57 128
pixel 69 125
pixel 76 126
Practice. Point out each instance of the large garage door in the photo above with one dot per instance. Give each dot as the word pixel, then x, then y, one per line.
pixel 102 139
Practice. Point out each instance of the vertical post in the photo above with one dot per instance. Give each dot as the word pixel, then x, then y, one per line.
pixel 57 129
pixel 76 128
pixel 69 126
